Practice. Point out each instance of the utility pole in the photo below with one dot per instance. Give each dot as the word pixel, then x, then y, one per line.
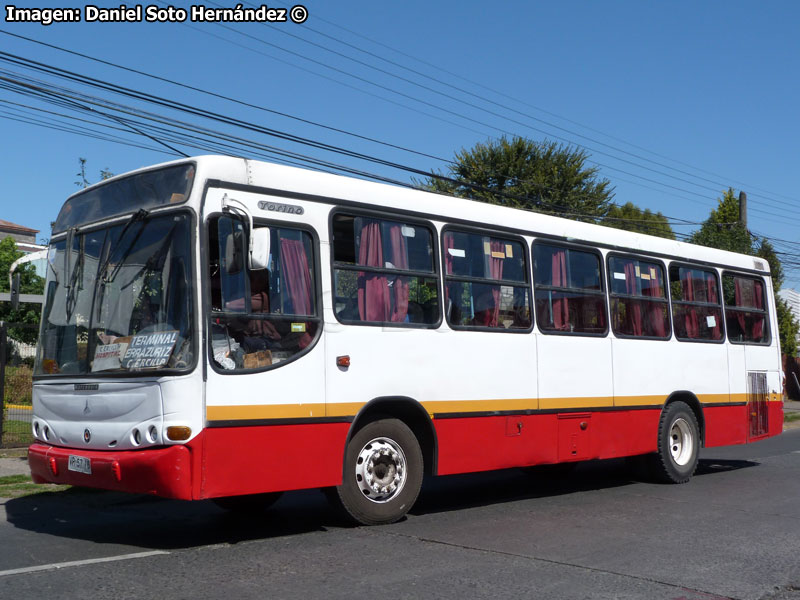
pixel 743 209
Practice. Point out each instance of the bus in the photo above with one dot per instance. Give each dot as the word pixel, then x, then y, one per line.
pixel 228 329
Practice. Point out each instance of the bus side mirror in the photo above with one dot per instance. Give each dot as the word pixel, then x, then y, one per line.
pixel 259 248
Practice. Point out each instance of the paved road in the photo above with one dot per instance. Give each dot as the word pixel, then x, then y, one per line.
pixel 732 532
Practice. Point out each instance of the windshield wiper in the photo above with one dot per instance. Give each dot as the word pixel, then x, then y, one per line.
pixel 74 279
pixel 139 216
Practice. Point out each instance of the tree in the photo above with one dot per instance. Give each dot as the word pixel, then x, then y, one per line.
pixel 632 218
pixel 723 230
pixel 82 181
pixel 30 283
pixel 520 173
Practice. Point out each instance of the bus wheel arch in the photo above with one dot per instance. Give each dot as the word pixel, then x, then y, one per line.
pixel 410 412
pixel 692 402
pixel 388 450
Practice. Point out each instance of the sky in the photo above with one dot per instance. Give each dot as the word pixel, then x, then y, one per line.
pixel 673 102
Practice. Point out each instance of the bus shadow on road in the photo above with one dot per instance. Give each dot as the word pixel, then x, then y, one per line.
pixel 153 523
pixel 457 492
pixel 159 524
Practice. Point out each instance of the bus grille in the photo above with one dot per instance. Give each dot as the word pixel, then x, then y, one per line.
pixel 757 408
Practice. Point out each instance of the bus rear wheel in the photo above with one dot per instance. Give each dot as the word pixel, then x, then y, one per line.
pixel 678 444
pixel 383 470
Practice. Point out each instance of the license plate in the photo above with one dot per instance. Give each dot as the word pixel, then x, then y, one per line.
pixel 81 464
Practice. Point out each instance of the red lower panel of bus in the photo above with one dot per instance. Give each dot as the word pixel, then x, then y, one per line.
pixel 163 472
pixel 485 443
pixel 229 461
pixel 726 425
pixel 250 460
pixel 218 462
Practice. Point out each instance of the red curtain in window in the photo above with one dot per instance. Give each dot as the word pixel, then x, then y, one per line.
pixel 296 275
pixel 737 301
pixel 497 248
pixel 656 309
pixel 711 296
pixel 690 318
pixel 449 243
pixel 399 258
pixel 560 306
pixel 633 309
pixel 373 293
pixel 758 302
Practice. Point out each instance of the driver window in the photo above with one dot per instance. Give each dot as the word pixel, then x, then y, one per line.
pixel 260 318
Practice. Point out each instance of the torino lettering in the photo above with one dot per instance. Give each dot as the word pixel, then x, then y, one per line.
pixel 289 209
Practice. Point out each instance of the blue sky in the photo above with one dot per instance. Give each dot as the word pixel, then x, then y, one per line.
pixel 674 102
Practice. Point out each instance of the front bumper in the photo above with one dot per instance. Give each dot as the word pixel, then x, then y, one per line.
pixel 165 472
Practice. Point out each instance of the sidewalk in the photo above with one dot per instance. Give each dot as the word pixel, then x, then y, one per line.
pixel 14 462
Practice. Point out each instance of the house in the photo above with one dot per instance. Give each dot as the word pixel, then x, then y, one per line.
pixel 25 237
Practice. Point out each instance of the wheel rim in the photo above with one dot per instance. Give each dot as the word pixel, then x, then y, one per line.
pixel 681 442
pixel 381 470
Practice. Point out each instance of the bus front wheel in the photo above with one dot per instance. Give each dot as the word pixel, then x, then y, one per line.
pixel 678 444
pixel 383 470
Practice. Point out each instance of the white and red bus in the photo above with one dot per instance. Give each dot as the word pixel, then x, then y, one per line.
pixel 229 329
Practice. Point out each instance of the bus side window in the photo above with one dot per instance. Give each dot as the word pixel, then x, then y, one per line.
pixel 568 290
pixel 745 309
pixel 384 272
pixel 639 306
pixel 260 318
pixel 486 281
pixel 696 304
pixel 232 273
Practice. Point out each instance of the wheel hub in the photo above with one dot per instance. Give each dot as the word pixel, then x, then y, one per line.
pixel 381 469
pixel 681 442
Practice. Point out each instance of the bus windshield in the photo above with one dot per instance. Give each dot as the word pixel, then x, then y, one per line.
pixel 118 299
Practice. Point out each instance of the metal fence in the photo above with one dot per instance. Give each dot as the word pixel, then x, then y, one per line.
pixel 16 383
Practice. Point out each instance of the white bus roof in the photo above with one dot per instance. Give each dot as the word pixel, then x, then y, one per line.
pixel 440 207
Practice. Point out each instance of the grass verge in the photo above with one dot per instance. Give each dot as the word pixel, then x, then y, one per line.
pixel 16 486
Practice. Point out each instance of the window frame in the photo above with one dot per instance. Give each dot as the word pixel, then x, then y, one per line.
pixel 386 216
pixel 545 241
pixel 666 300
pixel 195 238
pixel 208 314
pixel 721 305
pixel 765 310
pixel 480 280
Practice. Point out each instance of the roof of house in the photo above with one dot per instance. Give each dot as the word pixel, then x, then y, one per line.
pixel 13 227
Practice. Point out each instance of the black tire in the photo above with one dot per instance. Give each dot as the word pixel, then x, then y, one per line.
pixel 678 445
pixel 383 469
pixel 249 502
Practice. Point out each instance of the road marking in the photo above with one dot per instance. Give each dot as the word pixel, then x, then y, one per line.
pixel 79 563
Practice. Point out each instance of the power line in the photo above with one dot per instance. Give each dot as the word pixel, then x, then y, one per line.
pixel 794 201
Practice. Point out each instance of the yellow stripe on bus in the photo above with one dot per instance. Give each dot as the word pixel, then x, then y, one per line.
pixel 264 411
pixel 350 409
